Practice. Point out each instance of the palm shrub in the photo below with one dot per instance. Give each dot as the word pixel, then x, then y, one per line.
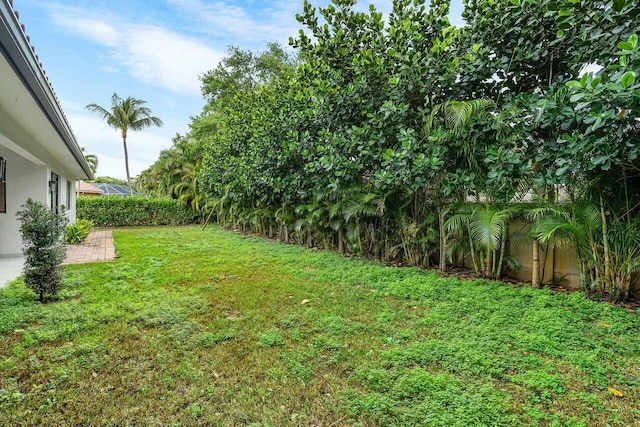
pixel 577 227
pixel 482 232
pixel 42 230
pixel 78 232
pixel 624 240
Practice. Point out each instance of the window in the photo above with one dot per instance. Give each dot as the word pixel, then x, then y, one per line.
pixel 54 189
pixel 3 185
pixel 68 194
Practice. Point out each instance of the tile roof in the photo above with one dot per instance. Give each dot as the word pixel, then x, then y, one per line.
pixel 85 187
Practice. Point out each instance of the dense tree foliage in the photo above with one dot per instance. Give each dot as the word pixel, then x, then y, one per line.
pixel 406 138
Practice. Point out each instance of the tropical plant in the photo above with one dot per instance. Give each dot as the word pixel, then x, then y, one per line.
pixel 126 114
pixel 77 232
pixel 91 159
pixel 368 140
pixel 577 228
pixel 482 232
pixel 624 243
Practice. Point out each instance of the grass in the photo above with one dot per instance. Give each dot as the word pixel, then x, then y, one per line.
pixel 212 328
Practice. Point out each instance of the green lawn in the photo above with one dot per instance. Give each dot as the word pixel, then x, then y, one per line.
pixel 212 328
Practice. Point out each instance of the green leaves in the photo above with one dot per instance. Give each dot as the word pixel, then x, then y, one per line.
pixel 629 45
pixel 627 79
pixel 618 5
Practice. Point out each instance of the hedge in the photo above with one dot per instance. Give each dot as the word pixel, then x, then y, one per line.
pixel 110 211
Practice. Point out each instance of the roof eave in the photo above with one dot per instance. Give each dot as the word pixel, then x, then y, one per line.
pixel 21 55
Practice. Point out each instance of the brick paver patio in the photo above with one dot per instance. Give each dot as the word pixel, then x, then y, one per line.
pixel 97 248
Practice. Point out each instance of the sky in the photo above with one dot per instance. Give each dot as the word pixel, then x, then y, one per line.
pixel 153 50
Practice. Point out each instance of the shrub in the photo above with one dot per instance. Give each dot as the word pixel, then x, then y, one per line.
pixel 78 232
pixel 112 211
pixel 42 230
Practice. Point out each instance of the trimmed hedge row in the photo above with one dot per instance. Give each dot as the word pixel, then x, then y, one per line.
pixel 111 211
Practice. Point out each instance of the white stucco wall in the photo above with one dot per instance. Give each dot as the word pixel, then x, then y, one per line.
pixel 26 179
pixel 71 207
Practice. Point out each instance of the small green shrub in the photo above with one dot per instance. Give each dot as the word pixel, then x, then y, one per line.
pixel 114 211
pixel 78 232
pixel 42 230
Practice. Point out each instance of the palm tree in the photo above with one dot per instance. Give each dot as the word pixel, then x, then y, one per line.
pixel 125 114
pixel 447 126
pixel 92 160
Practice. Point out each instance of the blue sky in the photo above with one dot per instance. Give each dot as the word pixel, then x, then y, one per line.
pixel 150 49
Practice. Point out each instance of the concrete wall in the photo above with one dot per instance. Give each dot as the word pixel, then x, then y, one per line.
pixel 26 179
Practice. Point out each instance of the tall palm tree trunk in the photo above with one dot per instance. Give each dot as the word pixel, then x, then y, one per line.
pixel 126 161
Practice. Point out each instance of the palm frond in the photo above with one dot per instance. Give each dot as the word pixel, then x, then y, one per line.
pixel 486 226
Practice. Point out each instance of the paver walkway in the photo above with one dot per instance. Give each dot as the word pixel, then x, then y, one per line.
pixel 97 248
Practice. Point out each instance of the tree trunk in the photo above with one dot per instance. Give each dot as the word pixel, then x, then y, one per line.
pixel 442 264
pixel 340 239
pixel 535 265
pixel 503 244
pixel 487 266
pixel 472 250
pixel 126 161
pixel 605 243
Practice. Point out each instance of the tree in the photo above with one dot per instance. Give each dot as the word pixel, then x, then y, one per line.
pixel 92 160
pixel 108 180
pixel 125 114
pixel 42 230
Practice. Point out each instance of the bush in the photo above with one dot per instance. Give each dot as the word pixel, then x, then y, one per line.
pixel 78 232
pixel 112 211
pixel 42 230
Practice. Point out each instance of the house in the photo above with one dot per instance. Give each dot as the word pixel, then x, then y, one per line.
pixel 87 190
pixel 39 155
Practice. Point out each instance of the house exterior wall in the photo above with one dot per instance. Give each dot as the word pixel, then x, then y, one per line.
pixel 25 180
pixel 35 137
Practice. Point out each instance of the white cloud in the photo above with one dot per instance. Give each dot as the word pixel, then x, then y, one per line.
pixel 151 53
pixel 158 56
pixel 81 23
pixel 109 69
pixel 237 25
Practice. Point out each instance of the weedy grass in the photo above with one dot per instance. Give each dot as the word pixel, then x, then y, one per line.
pixel 192 327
